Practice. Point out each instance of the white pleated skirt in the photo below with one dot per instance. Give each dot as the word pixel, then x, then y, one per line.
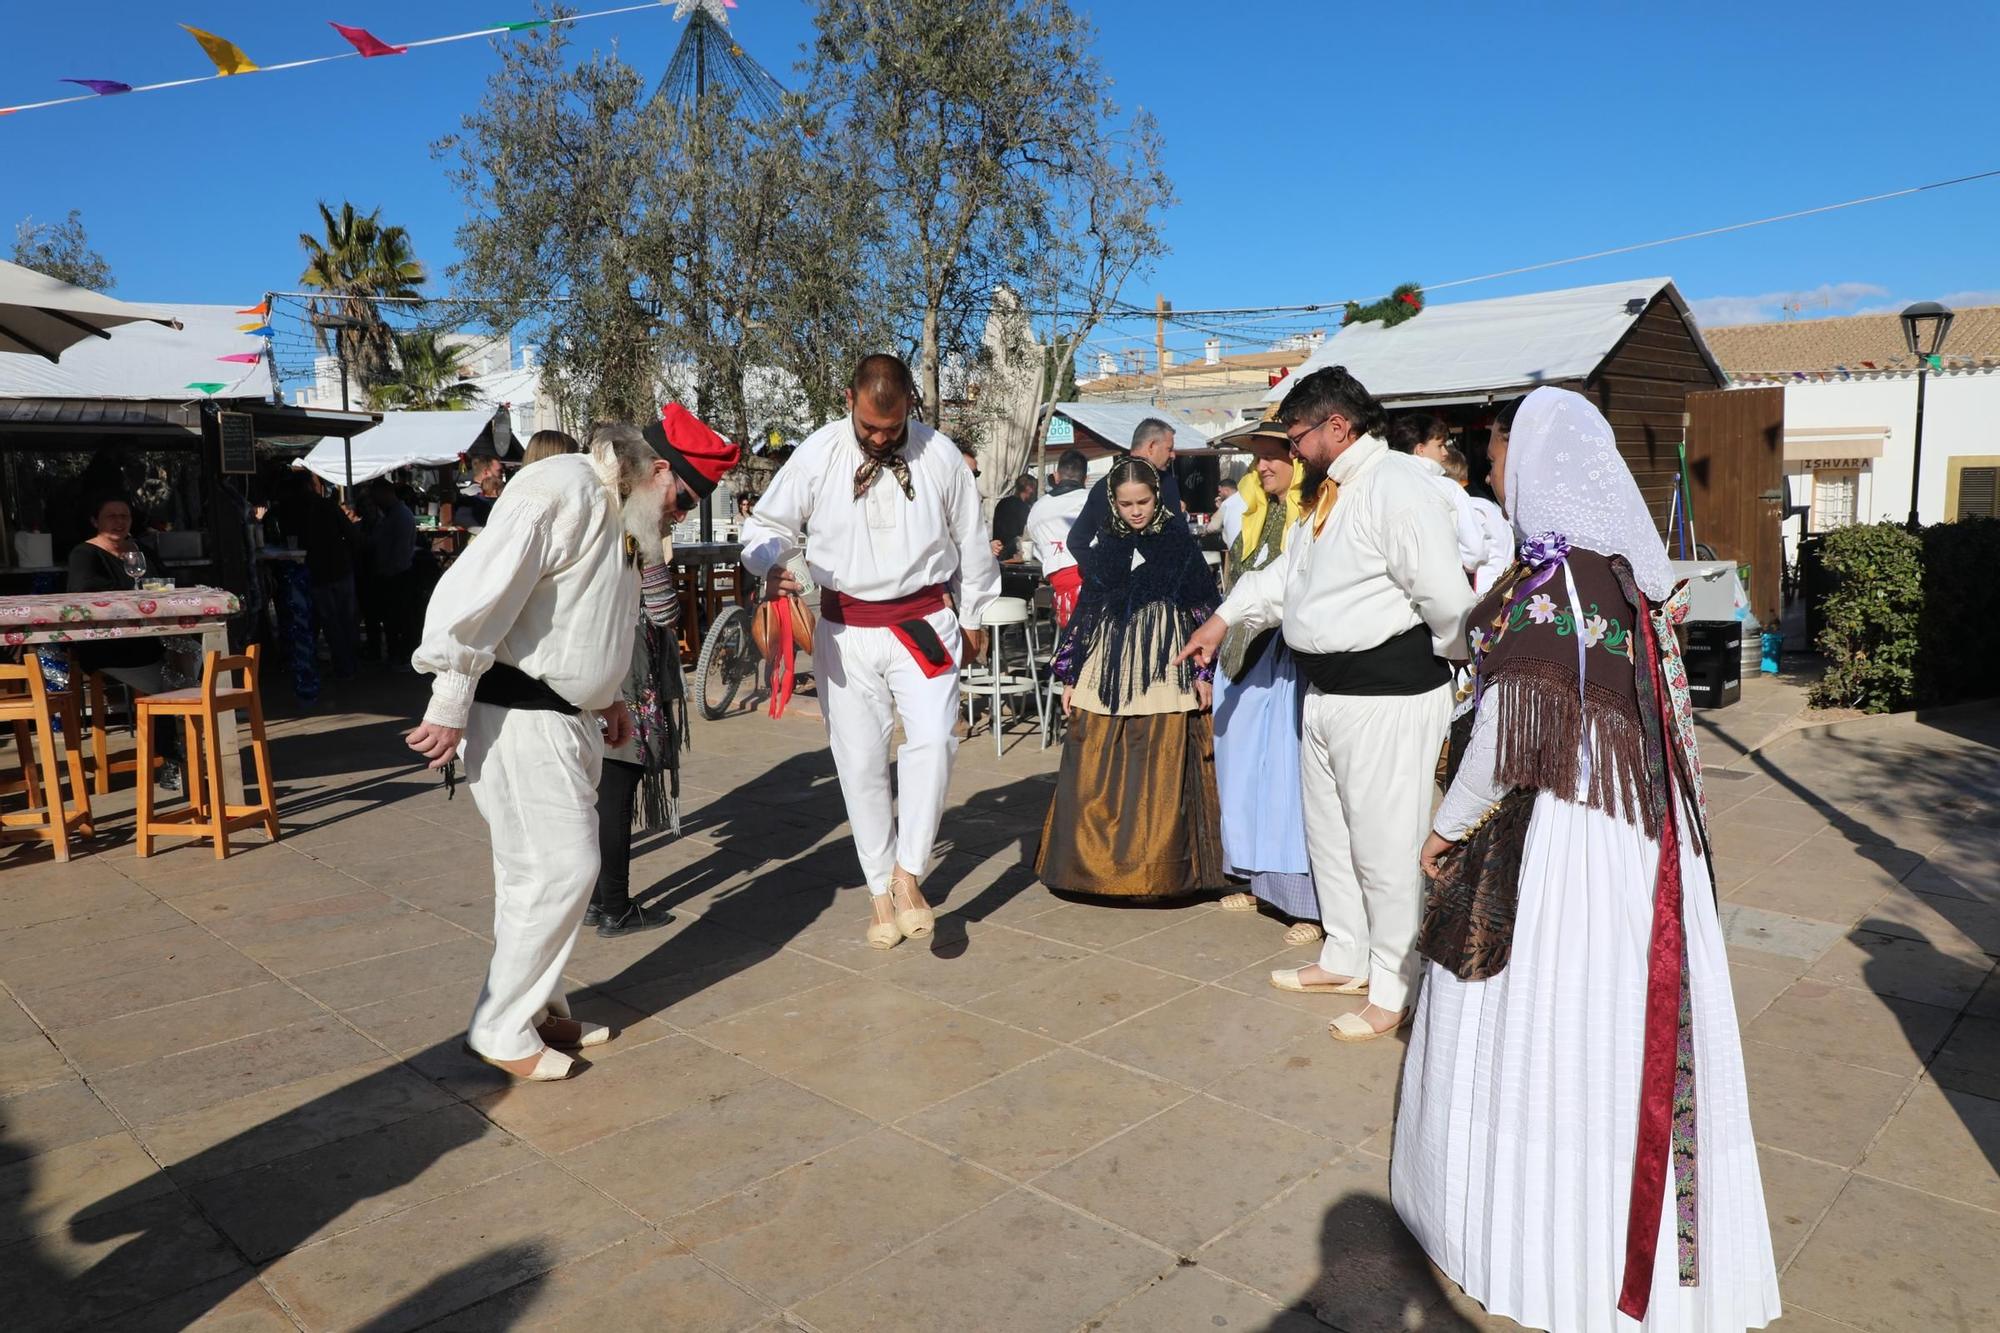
pixel 1514 1138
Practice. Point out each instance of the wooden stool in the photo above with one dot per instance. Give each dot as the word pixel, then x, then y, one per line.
pixel 207 814
pixel 102 767
pixel 26 702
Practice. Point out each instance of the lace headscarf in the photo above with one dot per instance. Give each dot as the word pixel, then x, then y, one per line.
pixel 1565 476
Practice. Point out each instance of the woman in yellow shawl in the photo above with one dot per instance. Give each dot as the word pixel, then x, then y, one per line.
pixel 1257 706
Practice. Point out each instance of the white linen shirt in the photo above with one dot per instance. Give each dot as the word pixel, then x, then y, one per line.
pixel 1048 528
pixel 883 545
pixel 1386 562
pixel 1500 545
pixel 544 587
pixel 1229 514
pixel 1471 533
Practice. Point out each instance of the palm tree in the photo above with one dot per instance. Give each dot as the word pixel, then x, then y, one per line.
pixel 357 262
pixel 425 377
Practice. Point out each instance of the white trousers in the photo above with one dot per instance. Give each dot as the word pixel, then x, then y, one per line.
pixel 868 682
pixel 534 777
pixel 1368 769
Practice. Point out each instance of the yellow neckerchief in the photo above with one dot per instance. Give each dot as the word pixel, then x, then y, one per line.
pixel 1329 491
pixel 1254 501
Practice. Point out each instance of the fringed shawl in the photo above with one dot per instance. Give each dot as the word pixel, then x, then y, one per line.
pixel 1139 619
pixel 1526 650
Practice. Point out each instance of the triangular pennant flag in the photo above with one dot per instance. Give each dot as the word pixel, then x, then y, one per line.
pixel 367 43
pixel 523 27
pixel 102 87
pixel 251 327
pixel 255 330
pixel 243 358
pixel 261 308
pixel 208 387
pixel 227 55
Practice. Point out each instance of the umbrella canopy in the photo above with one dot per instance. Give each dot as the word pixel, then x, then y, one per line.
pixel 40 316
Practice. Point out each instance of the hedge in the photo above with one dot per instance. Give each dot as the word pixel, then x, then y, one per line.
pixel 1912 618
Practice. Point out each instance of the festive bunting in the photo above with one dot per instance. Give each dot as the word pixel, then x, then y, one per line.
pixel 102 87
pixel 261 308
pixel 207 386
pixel 254 324
pixel 227 55
pixel 243 358
pixel 367 43
pixel 255 330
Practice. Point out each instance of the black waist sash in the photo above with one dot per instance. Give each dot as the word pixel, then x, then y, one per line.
pixel 1403 665
pixel 505 686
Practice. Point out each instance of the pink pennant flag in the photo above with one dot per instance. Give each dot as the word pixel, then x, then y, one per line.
pixel 243 358
pixel 367 43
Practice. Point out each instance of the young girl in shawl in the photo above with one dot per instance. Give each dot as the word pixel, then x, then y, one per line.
pixel 640 789
pixel 1135 812
pixel 1573 1143
pixel 1258 698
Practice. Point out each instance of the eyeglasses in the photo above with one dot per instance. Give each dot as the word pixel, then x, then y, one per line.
pixel 1296 440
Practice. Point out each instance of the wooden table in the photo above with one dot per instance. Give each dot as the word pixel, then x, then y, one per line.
pixel 85 617
pixel 707 577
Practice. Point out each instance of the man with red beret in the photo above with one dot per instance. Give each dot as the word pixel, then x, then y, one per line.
pixel 888 517
pixel 527 639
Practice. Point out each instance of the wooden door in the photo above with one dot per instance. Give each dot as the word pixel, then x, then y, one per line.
pixel 1736 474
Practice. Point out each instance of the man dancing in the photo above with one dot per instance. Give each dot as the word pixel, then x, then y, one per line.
pixel 527 639
pixel 1371 597
pixel 888 517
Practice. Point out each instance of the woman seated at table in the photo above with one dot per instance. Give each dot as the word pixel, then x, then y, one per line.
pixel 101 565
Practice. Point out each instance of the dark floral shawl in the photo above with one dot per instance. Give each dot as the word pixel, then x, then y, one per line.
pixel 1139 618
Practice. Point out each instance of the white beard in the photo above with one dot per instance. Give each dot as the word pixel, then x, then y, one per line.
pixel 644 515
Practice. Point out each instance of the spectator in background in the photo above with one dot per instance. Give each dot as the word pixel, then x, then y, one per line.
pixel 1500 543
pixel 1230 505
pixel 1047 533
pixel 306 512
pixel 489 475
pixel 392 548
pixel 1153 440
pixel 547 444
pixel 1425 438
pixel 113 561
pixel 1010 518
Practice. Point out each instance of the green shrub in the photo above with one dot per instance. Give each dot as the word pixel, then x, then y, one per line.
pixel 1871 618
pixel 1958 631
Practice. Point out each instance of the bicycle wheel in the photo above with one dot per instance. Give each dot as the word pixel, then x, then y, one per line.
pixel 728 658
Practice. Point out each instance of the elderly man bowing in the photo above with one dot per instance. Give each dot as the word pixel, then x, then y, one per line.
pixel 888 517
pixel 527 640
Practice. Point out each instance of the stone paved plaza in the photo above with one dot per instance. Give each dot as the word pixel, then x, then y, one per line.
pixel 232 1094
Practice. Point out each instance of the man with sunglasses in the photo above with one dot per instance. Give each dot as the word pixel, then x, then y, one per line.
pixel 1372 600
pixel 887 514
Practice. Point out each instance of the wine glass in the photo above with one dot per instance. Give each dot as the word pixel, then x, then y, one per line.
pixel 135 564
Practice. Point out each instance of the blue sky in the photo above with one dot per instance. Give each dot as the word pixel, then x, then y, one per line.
pixel 1379 143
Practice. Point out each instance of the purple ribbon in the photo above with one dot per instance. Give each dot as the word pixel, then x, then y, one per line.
pixel 1544 554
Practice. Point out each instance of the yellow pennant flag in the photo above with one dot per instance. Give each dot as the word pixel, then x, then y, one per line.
pixel 227 55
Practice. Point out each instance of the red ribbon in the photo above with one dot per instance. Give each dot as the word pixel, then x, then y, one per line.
pixel 783 677
pixel 1663 1005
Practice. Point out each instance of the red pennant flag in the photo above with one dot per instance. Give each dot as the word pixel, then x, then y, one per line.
pixel 367 43
pixel 243 358
pixel 261 308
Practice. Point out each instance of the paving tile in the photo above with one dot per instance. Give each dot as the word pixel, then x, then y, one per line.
pixel 1806 1104
pixel 393 930
pixel 1187 1039
pixel 703 997
pixel 104 892
pixel 15 1023
pixel 1060 1269
pixel 457 957
pixel 1942 1142
pixel 1334 1245
pixel 622 1088
pixel 1953 879
pixel 1889 1259
pixel 289 915
pixel 34 973
pixel 158 1089
pixel 1190 1300
pixel 1102 925
pixel 960 962
pixel 913 1067
pixel 47 1193
pixel 821 1024
pixel 1851 1026
pixel 1038 1117
pixel 1796 892
pixel 713 1148
pixel 1754 989
pixel 80 1276
pixel 1970 1059
pixel 203 971
pixel 1082 997
pixel 1756 846
pixel 417 1266
pixel 1797 1193
pixel 30 1063
pixel 52 1117
pixel 133 921
pixel 1172 1181
pixel 1954 925
pixel 1745 927
pixel 1341 1091
pixel 99 1048
pixel 1832 855
pixel 690 953
pixel 1904 968
pixel 797 1233
pixel 1208 945
pixel 642 1284
pixel 234 1304
pixel 273 1209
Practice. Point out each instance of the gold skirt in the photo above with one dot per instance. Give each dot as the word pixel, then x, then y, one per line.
pixel 1135 813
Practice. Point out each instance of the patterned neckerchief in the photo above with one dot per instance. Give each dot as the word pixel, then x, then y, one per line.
pixel 872 463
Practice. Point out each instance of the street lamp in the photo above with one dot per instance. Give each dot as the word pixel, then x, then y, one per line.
pixel 1925 325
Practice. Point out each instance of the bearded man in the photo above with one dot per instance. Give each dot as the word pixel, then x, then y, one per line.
pixel 888 518
pixel 527 640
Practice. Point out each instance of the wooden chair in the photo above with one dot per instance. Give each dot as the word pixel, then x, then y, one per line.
pixel 26 703
pixel 208 813
pixel 97 697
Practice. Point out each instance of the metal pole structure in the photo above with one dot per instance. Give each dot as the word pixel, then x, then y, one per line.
pixel 346 441
pixel 701 271
pixel 1917 452
pixel 1160 348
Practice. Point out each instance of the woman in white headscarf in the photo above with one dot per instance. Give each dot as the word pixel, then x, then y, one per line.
pixel 1573 1145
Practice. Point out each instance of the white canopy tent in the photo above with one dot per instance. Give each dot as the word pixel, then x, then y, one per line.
pixel 401 439
pixel 1115 423
pixel 43 317
pixel 149 362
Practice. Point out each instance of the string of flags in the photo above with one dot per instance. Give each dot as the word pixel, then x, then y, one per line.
pixel 230 61
pixel 258 327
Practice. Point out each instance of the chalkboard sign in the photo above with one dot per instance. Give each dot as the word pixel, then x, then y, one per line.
pixel 239 442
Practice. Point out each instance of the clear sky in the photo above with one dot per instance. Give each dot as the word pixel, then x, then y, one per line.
pixel 1320 150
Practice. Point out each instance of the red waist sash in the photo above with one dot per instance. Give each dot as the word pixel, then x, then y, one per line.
pixel 840 609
